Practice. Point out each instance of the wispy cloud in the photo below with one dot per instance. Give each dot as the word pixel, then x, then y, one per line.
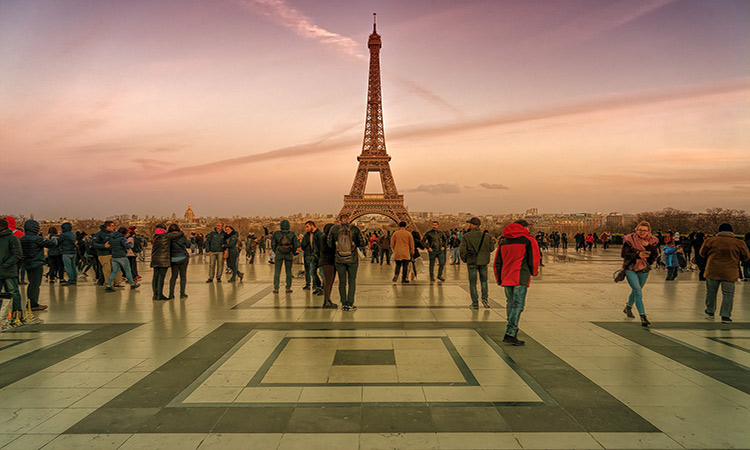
pixel 603 17
pixel 636 100
pixel 493 186
pixel 436 189
pixel 284 14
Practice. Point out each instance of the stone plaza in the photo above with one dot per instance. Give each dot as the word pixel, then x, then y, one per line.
pixel 235 366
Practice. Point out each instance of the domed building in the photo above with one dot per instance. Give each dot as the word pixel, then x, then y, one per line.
pixel 189 215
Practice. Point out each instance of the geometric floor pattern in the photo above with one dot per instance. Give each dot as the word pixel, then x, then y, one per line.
pixel 235 366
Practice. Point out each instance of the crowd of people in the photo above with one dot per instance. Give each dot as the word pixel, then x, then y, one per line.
pixel 113 254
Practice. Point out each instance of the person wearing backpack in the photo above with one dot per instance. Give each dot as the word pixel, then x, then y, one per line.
pixel 346 238
pixel 284 244
pixel 475 250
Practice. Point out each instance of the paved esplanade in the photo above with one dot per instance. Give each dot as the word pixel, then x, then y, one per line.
pixel 235 366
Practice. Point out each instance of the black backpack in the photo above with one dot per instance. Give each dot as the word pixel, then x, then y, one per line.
pixel 285 244
pixel 137 244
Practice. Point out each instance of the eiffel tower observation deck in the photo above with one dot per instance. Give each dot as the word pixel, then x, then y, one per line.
pixel 374 157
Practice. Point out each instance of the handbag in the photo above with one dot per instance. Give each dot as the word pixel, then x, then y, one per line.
pixel 619 275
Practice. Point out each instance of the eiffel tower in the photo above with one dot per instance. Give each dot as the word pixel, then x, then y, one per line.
pixel 374 157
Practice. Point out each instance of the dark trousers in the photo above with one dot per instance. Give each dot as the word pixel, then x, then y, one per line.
pixel 178 268
pixel 672 273
pixel 250 257
pixel 287 262
pixel 157 283
pixel 438 256
pixel 311 272
pixel 385 254
pixel 35 280
pixel 329 275
pixel 347 275
pixel 10 285
pixel 233 259
pixel 402 263
pixel 56 268
pixel 133 260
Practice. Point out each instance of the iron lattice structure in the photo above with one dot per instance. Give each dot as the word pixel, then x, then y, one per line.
pixel 374 157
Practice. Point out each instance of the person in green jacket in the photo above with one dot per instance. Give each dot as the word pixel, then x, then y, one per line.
pixel 475 250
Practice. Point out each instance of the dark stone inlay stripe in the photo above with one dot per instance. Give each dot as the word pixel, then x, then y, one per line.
pixel 35 361
pixel 255 298
pixel 715 366
pixel 8 343
pixel 722 340
pixel 145 407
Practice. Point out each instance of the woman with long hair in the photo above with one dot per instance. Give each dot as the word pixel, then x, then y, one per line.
pixel 639 251
pixel 233 252
pixel 179 259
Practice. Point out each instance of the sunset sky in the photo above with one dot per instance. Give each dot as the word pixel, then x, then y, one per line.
pixel 257 107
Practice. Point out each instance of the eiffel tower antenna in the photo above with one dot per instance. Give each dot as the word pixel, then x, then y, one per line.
pixel 374 157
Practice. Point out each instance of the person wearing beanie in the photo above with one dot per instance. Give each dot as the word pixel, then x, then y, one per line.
pixel 68 251
pixel 723 254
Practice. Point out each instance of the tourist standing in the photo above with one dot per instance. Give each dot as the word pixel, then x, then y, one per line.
pixel 435 241
pixel 723 254
pixel 54 259
pixel 251 246
pixel 454 244
pixel 700 261
pixel 403 248
pixel 346 238
pixel 32 246
pixel 327 263
pixel 233 252
pixel 118 247
pixel 475 250
pixel 284 244
pixel 101 244
pixel 160 261
pixel 516 261
pixel 10 257
pixel 670 259
pixel 311 254
pixel 215 248
pixel 68 252
pixel 179 258
pixel 639 251
pixel 416 256
pixel 132 253
pixel 384 242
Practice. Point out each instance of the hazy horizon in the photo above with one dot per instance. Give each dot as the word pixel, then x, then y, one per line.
pixel 256 108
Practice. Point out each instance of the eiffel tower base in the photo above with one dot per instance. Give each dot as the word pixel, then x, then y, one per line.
pixel 356 206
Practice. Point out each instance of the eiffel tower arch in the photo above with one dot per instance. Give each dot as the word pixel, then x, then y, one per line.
pixel 374 157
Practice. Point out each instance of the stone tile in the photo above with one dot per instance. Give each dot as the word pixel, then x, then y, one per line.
pixel 363 374
pixel 93 441
pixel 61 421
pixel 157 441
pixel 381 441
pixel 429 374
pixel 392 394
pixel 19 421
pixel 331 419
pixel 249 420
pixel 478 441
pixel 98 398
pixel 322 441
pixel 248 441
pixel 468 418
pixel 296 374
pixel 364 358
pixel 29 442
pixel 213 395
pixel 557 440
pixel 269 395
pixel 635 441
pixel 334 394
pixel 396 419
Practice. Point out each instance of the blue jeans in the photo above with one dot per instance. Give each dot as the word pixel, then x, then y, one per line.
pixel 10 285
pixel 516 300
pixel 455 256
pixel 117 264
pixel 311 272
pixel 482 271
pixel 727 294
pixel 636 282
pixel 69 261
pixel 438 255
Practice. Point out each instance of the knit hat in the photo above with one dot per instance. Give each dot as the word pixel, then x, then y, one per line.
pixel 725 227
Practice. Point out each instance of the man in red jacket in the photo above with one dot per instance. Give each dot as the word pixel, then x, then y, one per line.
pixel 516 261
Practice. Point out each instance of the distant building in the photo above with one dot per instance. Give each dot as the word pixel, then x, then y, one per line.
pixel 189 215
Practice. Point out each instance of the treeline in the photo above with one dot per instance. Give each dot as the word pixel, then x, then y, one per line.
pixel 687 221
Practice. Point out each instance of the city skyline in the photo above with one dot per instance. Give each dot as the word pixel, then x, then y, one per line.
pixel 251 107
